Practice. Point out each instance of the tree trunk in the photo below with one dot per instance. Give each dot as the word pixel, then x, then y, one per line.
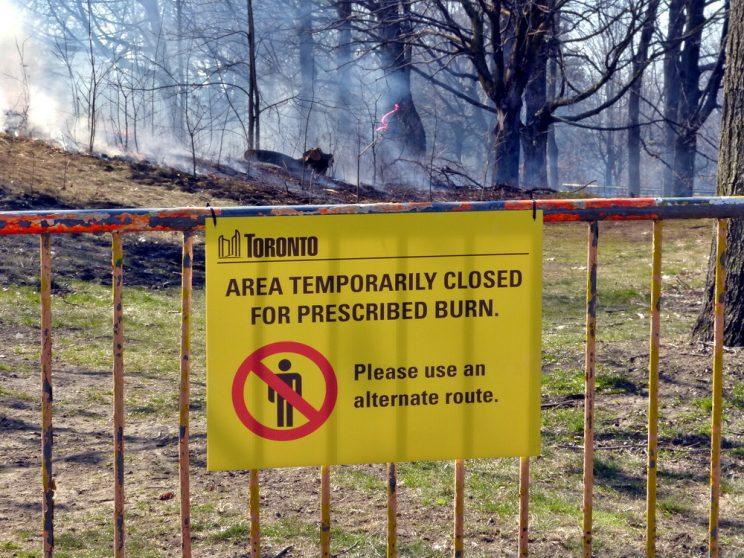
pixel 481 132
pixel 179 117
pixel 552 149
pixel 405 128
pixel 535 149
pixel 634 101
pixel 685 143
pixel 306 92
pixel 92 84
pixel 610 162
pixel 634 145
pixel 534 133
pixel 609 139
pixel 506 144
pixel 671 89
pixel 343 61
pixel 254 114
pixel 685 150
pixel 730 182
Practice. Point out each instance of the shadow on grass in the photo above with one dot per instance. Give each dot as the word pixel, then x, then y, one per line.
pixel 612 474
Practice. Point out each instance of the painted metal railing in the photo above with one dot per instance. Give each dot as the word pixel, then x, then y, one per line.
pixel 190 220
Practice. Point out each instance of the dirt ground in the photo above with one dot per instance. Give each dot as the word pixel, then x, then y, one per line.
pixel 290 497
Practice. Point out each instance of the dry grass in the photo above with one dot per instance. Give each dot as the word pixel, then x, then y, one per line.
pixel 77 180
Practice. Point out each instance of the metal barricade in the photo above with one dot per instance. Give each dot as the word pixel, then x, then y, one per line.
pixel 190 220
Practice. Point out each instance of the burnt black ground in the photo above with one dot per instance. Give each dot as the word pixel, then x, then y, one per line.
pixel 150 260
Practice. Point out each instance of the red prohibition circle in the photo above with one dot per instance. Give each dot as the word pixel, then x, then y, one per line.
pixel 253 365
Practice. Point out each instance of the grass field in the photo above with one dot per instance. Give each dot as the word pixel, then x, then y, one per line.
pixel 290 498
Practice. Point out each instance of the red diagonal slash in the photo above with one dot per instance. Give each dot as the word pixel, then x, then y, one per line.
pixel 289 395
pixel 253 364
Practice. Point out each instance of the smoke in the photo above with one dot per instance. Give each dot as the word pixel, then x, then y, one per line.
pixel 45 96
pixel 167 80
pixel 53 86
pixel 51 81
pixel 26 105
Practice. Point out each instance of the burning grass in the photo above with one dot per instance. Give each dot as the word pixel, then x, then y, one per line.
pixel 34 175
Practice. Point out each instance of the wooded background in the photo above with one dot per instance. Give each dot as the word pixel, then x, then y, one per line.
pixel 622 94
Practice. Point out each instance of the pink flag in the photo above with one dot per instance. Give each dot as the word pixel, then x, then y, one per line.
pixel 385 117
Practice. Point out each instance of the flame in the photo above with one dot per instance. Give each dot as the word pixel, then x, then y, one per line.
pixel 385 117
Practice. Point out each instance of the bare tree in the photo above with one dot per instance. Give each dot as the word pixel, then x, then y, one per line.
pixel 687 105
pixel 640 61
pixel 513 80
pixel 508 46
pixel 391 32
pixel 254 99
pixel 308 74
pixel 92 87
pixel 503 44
pixel 730 183
pixel 344 63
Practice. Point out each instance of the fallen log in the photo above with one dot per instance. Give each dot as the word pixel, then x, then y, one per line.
pixel 314 159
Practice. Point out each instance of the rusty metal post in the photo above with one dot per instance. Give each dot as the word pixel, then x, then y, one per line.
pixel 392 510
pixel 589 371
pixel 653 392
pixel 254 504
pixel 47 434
pixel 325 511
pixel 524 506
pixel 117 282
pixel 717 397
pixel 184 391
pixel 459 551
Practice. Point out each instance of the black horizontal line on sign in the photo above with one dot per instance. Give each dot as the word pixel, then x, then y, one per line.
pixel 374 258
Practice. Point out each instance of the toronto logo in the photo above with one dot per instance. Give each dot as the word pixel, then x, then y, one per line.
pixel 229 247
pixel 249 245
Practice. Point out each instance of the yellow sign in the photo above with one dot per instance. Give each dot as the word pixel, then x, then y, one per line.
pixel 372 338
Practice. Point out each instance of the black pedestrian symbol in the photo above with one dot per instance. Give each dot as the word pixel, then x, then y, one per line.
pixel 284 409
